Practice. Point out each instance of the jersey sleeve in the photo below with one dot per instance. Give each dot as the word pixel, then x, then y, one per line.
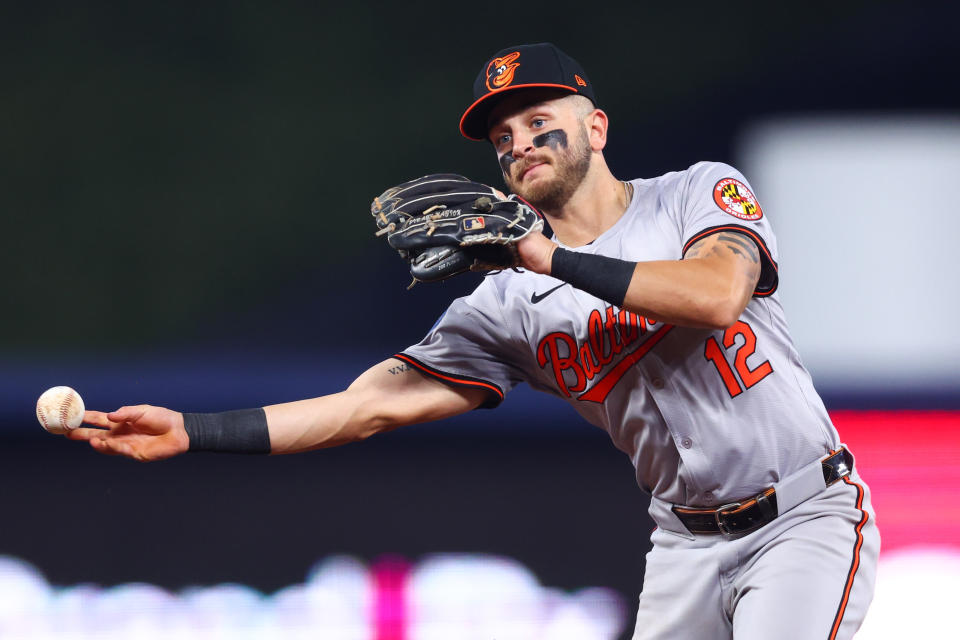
pixel 715 198
pixel 469 346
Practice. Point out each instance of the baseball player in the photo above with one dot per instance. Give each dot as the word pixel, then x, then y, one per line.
pixel 653 310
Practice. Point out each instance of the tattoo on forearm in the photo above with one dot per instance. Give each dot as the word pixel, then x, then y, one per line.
pixel 400 368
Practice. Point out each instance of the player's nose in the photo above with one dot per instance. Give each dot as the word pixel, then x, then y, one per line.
pixel 522 145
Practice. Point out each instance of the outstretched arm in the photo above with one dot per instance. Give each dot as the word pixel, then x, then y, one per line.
pixel 388 395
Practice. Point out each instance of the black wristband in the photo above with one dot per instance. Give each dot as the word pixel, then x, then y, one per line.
pixel 604 277
pixel 242 431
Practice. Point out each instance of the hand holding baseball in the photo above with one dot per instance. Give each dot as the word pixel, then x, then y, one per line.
pixel 143 432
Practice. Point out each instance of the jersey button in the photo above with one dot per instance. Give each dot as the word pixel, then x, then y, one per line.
pixel 657 383
pixel 686 443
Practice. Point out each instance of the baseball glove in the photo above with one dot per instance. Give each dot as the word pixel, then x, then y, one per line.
pixel 444 224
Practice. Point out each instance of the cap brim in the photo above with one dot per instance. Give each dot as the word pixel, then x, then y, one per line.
pixel 473 123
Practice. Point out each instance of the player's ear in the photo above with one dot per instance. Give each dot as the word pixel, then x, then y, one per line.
pixel 597 123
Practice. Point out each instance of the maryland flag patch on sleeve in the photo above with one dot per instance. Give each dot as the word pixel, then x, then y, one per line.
pixel 733 197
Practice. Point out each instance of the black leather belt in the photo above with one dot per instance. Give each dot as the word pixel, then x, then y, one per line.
pixel 751 514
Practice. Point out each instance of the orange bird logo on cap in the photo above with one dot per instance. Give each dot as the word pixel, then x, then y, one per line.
pixel 500 71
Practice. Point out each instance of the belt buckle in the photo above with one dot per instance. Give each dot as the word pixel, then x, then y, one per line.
pixel 717 516
pixel 834 473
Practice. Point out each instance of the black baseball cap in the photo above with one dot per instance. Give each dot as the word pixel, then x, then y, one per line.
pixel 525 66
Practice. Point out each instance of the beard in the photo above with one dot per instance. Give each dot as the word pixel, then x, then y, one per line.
pixel 570 167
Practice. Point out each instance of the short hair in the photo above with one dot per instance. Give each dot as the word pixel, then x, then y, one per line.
pixel 582 105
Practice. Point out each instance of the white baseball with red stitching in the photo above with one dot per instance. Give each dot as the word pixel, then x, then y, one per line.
pixel 60 409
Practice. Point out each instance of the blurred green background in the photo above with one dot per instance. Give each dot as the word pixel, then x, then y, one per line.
pixel 201 172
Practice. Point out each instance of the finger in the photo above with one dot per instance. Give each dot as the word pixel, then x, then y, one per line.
pixel 120 445
pixel 113 446
pixel 85 434
pixel 127 414
pixel 97 418
pixel 101 446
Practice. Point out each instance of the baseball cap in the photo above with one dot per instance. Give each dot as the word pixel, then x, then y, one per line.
pixel 524 66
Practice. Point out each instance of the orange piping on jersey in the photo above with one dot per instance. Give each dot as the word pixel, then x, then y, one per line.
pixel 732 227
pixel 437 374
pixel 854 564
pixel 745 231
pixel 599 391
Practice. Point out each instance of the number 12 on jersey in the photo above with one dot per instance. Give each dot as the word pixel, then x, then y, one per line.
pixel 715 354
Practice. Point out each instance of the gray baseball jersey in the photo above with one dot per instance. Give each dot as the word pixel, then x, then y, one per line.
pixel 705 415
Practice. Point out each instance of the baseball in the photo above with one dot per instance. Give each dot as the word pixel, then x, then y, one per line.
pixel 60 409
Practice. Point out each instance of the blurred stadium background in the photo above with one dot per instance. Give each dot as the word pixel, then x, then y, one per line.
pixel 186 187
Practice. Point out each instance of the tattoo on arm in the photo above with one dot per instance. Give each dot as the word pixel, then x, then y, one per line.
pixel 400 368
pixel 708 246
pixel 735 240
pixel 694 251
pixel 724 243
pixel 715 244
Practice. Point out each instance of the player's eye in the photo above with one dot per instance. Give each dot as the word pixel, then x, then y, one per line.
pixel 504 139
pixel 539 122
